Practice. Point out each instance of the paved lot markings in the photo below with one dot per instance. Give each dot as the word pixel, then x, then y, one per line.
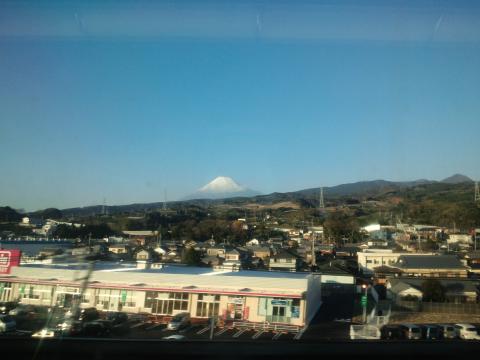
pixel 258 334
pixel 299 334
pixel 137 325
pixel 238 333
pixel 153 326
pixel 277 335
pixel 221 331
pixel 204 330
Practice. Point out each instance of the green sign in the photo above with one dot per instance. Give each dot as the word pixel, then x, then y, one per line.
pixel 1 288
pixel 124 296
pixel 363 301
pixel 22 289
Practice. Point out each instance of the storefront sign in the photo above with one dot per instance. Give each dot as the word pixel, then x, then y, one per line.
pixel 124 296
pixel 279 302
pixel 8 259
pixel 238 301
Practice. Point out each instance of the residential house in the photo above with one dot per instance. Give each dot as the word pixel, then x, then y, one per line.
pixel 216 251
pixel 232 260
pixel 118 249
pixel 456 290
pixel 431 266
pixel 261 252
pixel 368 259
pixel 283 260
pixel 141 237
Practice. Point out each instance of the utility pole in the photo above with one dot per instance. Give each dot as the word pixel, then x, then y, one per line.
pixel 164 206
pixel 477 192
pixel 159 237
pixel 212 327
pixel 364 302
pixel 314 259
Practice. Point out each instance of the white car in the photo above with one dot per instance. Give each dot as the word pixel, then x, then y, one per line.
pixel 467 331
pixel 45 333
pixel 174 337
pixel 7 323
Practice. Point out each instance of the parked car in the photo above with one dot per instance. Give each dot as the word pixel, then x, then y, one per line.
pixel 174 337
pixel 56 315
pixel 430 332
pixel 447 331
pixel 179 321
pixel 89 314
pixel 411 332
pixel 390 332
pixel 119 322
pixel 96 328
pixel 467 331
pixel 48 332
pixel 24 312
pixel 6 306
pixel 7 323
pixel 70 327
pixel 116 317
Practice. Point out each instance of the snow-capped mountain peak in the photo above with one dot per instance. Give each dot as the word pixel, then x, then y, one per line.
pixel 222 184
pixel 222 187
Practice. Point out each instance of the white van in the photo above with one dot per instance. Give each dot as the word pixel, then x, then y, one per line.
pixel 467 331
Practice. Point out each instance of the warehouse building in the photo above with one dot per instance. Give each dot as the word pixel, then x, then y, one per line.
pixel 254 296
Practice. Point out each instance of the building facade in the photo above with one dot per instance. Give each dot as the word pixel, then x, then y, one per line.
pixel 291 299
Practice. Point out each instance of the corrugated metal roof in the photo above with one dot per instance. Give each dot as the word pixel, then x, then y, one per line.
pixel 439 262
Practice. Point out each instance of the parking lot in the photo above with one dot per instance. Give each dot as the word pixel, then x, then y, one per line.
pixel 332 322
pixel 148 330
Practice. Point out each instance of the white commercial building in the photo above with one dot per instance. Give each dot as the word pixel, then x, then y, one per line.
pixel 253 296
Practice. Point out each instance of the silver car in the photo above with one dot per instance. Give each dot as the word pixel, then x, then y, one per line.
pixel 179 321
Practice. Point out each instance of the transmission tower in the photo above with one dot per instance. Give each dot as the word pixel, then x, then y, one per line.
pixel 164 206
pixel 477 192
pixel 321 203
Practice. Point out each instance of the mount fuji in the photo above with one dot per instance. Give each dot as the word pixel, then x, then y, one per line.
pixel 222 187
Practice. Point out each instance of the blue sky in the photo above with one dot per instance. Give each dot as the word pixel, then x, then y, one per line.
pixel 117 109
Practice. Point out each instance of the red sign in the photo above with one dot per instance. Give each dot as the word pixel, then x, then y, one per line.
pixel 9 258
pixel 246 313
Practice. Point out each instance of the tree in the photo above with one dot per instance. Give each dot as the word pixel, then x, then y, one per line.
pixel 433 290
pixel 8 214
pixel 339 225
pixel 191 257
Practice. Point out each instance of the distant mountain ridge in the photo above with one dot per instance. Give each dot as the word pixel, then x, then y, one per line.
pixel 243 195
pixel 456 179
